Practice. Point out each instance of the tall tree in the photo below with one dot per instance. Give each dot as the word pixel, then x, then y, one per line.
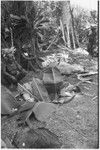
pixel 28 25
pixel 67 26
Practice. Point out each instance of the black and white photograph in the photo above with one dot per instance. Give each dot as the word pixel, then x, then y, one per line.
pixel 50 74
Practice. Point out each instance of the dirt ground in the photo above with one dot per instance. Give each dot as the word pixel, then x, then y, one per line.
pixel 75 123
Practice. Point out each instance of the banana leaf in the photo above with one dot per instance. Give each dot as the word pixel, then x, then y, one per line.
pixel 8 103
pixel 38 138
pixel 43 110
pixel 26 106
pixel 39 90
pixel 25 112
pixel 35 89
pixel 52 79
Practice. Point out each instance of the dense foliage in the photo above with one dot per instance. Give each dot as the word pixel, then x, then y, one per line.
pixel 87 29
pixel 28 29
pixel 45 64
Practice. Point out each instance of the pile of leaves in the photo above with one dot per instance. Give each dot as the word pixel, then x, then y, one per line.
pixel 37 96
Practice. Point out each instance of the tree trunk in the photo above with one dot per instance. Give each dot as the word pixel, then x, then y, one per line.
pixel 67 26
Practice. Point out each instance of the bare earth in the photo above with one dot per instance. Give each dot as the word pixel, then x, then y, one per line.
pixel 76 123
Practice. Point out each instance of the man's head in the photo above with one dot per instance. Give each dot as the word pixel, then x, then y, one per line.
pixel 8 54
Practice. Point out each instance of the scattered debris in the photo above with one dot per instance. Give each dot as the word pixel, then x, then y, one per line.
pixel 66 68
pixel 63 100
pixel 86 76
